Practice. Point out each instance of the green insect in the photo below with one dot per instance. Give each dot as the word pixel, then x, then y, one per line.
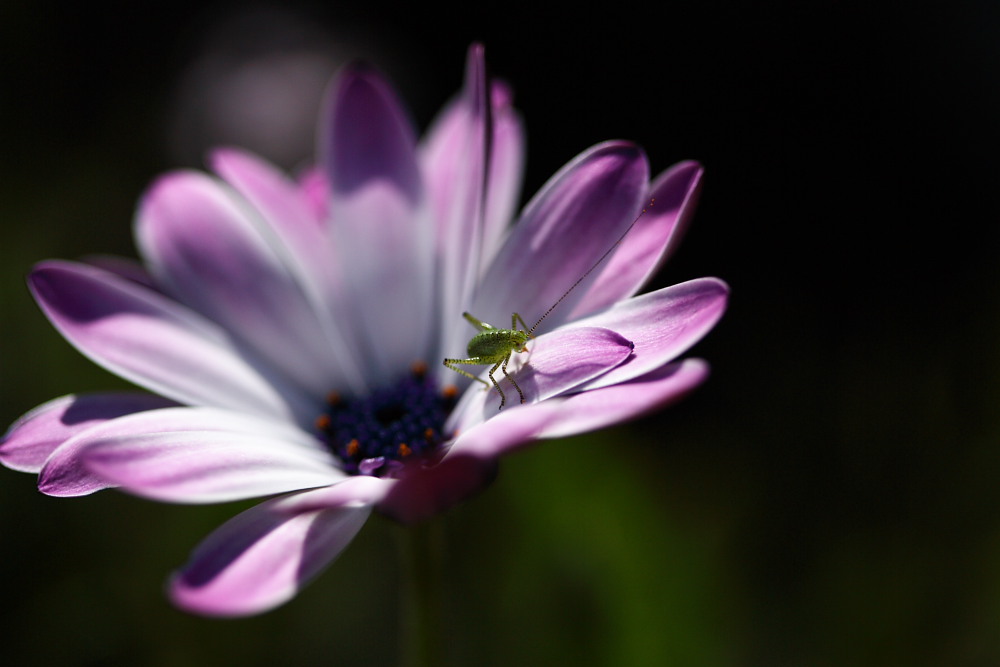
pixel 495 346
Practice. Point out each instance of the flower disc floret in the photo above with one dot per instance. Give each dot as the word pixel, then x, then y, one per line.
pixel 376 434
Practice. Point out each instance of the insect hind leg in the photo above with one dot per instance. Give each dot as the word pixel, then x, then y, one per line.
pixel 479 361
pixel 503 397
pixel 474 361
pixel 503 367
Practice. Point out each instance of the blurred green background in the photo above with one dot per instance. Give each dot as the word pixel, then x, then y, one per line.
pixel 830 497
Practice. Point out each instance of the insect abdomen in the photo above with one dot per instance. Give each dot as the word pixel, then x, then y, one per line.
pixel 496 343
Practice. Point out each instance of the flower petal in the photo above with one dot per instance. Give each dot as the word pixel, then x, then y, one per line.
pixel 203 245
pixel 452 157
pixel 203 455
pixel 654 237
pixel 151 340
pixel 594 409
pixel 33 437
pixel 564 230
pixel 506 170
pixel 282 205
pixel 556 363
pixel 67 474
pixel 315 189
pixel 286 208
pixel 377 203
pixel 572 414
pixel 506 431
pixel 262 557
pixel 454 160
pixel 369 137
pixel 269 191
pixel 662 325
pixel 124 267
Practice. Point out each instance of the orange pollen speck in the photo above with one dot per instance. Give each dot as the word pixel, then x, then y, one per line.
pixel 404 450
pixel 418 368
pixel 323 422
pixel 450 391
pixel 333 398
pixel 352 447
pixel 429 434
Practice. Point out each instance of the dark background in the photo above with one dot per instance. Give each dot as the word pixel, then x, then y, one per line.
pixel 830 496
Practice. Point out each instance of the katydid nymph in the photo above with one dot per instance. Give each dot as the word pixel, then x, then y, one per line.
pixel 494 346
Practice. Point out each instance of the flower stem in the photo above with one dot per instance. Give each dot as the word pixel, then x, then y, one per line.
pixel 421 551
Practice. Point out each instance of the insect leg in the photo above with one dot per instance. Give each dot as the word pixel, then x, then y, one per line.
pixel 515 318
pixel 509 377
pixel 476 322
pixel 503 397
pixel 474 361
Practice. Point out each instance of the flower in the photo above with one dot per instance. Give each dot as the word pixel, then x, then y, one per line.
pixel 277 323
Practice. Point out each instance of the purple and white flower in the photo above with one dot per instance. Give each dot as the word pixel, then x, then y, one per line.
pixel 291 331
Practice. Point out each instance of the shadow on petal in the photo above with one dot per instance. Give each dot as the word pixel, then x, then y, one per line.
pixel 423 492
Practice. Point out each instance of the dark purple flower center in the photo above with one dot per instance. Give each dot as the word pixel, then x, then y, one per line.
pixel 377 433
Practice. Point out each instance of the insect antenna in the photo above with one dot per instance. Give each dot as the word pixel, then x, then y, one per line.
pixel 614 245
